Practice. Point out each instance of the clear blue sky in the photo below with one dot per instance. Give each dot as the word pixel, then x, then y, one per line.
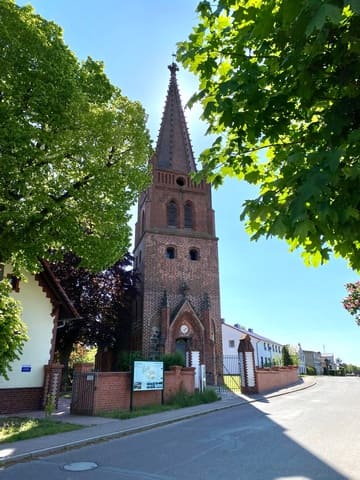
pixel 263 286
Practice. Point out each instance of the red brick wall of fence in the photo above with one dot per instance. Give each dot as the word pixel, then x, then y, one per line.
pixel 14 400
pixel 112 390
pixel 268 379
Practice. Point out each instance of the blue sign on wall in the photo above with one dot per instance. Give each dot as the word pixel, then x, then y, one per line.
pixel 26 368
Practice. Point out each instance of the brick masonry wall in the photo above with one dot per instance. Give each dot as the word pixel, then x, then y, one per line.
pixel 179 379
pixel 159 273
pixel 275 378
pixel 113 392
pixel 201 278
pixel 14 400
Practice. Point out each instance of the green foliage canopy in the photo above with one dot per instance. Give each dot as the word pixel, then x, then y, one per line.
pixel 73 149
pixel 286 358
pixel 104 301
pixel 12 329
pixel 282 77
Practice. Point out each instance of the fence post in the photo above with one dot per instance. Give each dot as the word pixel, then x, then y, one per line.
pixel 52 383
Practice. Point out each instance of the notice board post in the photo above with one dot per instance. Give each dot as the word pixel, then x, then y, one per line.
pixel 147 375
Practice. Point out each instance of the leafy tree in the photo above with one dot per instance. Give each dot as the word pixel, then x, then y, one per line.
pixel 73 149
pixel 286 357
pixel 104 301
pixel 352 301
pixel 12 330
pixel 351 369
pixel 282 77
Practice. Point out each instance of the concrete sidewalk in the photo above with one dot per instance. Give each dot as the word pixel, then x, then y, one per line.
pixel 98 429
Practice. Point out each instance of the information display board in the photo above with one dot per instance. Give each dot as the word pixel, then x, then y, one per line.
pixel 148 375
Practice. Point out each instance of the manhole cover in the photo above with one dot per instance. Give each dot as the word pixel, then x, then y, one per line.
pixel 80 466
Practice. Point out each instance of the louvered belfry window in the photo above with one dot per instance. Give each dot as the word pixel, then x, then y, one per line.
pixel 188 215
pixel 172 214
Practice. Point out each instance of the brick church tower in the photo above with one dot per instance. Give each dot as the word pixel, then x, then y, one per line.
pixel 178 308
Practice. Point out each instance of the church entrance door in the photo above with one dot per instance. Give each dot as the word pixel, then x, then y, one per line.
pixel 191 357
pixel 181 347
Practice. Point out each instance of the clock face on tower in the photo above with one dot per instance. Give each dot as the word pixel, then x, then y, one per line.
pixel 184 329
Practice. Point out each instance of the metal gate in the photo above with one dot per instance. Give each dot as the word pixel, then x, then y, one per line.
pixel 231 373
pixel 82 401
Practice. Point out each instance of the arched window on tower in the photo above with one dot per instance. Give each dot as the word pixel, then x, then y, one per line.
pixel 170 253
pixel 194 254
pixel 172 214
pixel 188 215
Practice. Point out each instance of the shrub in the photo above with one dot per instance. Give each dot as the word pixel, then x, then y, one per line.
pixel 171 359
pixel 310 371
pixel 184 399
pixel 125 359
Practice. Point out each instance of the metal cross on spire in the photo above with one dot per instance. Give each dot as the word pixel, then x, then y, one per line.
pixel 173 67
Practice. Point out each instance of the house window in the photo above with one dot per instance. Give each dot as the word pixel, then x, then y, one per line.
pixel 231 343
pixel 264 346
pixel 170 253
pixel 193 254
pixel 172 214
pixel 188 215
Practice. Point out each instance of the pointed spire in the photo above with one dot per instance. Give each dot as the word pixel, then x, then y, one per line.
pixel 173 150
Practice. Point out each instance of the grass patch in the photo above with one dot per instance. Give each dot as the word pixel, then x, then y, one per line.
pixel 183 399
pixel 136 412
pixel 179 400
pixel 13 429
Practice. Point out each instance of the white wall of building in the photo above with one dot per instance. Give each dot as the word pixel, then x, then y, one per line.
pixel 230 339
pixel 266 351
pixel 36 352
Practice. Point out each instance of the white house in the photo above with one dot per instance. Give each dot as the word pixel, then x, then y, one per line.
pixel 44 303
pixel 267 352
pixel 313 359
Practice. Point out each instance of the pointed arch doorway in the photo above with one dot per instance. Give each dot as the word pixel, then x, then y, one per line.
pixel 191 357
pixel 182 346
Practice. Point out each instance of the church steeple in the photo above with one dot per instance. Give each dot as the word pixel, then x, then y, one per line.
pixel 173 150
pixel 176 253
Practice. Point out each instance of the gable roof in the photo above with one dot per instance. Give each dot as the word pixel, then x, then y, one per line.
pixel 256 336
pixel 185 307
pixel 58 297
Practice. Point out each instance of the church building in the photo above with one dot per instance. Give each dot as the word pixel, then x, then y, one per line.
pixel 176 253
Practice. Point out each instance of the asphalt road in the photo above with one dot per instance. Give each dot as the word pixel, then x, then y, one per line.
pixel 307 435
